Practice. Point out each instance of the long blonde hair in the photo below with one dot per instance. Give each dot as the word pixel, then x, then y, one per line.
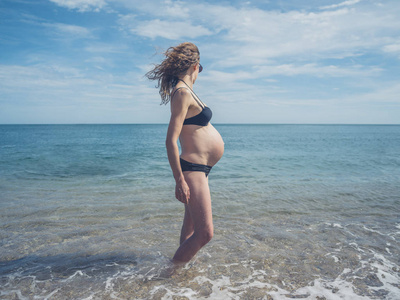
pixel 177 61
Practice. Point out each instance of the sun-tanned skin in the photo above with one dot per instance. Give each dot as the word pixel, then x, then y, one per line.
pixel 200 145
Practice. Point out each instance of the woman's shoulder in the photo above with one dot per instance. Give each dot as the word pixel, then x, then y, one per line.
pixel 181 90
pixel 181 94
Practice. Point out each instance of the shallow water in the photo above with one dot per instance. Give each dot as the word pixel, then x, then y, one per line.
pixel 300 211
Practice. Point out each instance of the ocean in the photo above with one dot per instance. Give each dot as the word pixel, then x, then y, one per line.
pixel 300 211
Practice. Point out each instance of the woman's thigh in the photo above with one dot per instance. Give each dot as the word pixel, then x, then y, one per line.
pixel 200 200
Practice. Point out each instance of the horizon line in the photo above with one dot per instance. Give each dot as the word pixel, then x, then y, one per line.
pixel 383 124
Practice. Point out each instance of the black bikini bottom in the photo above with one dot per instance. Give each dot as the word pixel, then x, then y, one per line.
pixel 188 166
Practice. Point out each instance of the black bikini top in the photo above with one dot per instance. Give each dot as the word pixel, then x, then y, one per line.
pixel 200 119
pixel 203 117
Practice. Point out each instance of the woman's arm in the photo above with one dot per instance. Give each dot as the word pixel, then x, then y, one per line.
pixel 179 108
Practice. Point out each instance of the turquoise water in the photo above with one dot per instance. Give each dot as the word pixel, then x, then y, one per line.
pixel 300 211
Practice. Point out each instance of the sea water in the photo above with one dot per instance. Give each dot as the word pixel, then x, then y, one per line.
pixel 300 211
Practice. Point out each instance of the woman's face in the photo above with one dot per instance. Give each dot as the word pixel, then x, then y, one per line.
pixel 198 70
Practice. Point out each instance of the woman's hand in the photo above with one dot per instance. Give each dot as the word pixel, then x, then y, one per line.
pixel 182 191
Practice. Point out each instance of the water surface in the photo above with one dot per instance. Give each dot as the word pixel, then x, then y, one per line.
pixel 300 211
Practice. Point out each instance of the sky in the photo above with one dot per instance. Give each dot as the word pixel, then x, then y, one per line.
pixel 292 61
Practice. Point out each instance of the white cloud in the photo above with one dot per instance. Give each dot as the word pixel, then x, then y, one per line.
pixel 345 3
pixel 393 48
pixel 175 9
pixel 385 93
pixel 40 79
pixel 254 36
pixel 317 70
pixel 61 30
pixel 67 30
pixel 255 58
pixel 248 35
pixel 60 94
pixel 160 9
pixel 105 48
pixel 251 35
pixel 81 5
pixel 172 30
pixel 52 83
pixel 268 72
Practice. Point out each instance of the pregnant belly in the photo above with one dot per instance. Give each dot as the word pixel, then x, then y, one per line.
pixel 215 147
pixel 204 145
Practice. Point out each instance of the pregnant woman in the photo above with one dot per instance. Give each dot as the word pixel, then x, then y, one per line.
pixel 201 144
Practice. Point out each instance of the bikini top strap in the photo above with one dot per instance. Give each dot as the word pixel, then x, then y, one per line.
pixel 193 95
pixel 202 105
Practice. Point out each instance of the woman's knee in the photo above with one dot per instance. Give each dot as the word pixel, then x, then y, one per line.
pixel 205 235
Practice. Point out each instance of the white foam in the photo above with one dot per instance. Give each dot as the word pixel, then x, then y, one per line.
pixel 109 283
pixel 373 230
pixel 257 282
pixel 78 273
pixel 185 292
pixel 222 288
pixel 387 275
pixel 336 259
pixel 355 246
pixel 397 232
pixel 49 296
pixel 338 289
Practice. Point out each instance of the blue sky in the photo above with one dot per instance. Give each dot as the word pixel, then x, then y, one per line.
pixel 295 61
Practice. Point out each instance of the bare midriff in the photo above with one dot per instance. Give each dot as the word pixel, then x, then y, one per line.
pixel 201 144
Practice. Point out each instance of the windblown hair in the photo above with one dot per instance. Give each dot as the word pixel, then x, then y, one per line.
pixel 177 61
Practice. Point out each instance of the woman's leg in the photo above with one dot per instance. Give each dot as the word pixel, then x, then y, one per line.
pixel 199 208
pixel 187 226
